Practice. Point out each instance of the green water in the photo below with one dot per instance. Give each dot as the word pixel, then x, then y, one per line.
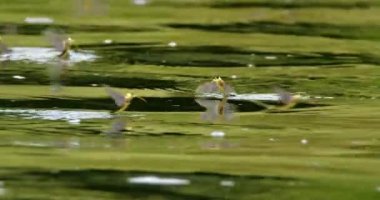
pixel 63 142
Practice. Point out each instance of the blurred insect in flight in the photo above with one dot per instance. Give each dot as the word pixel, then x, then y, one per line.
pixel 123 101
pixel 285 98
pixel 217 85
pixel 62 44
pixel 4 50
pixel 92 7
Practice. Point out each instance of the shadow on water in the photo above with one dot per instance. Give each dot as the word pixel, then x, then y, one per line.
pixel 222 56
pixel 145 184
pixel 154 104
pixel 362 32
pixel 37 29
pixel 360 4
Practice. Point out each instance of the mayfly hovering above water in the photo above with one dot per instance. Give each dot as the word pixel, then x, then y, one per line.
pixel 60 42
pixel 217 85
pixel 122 101
pixel 215 108
pixel 287 99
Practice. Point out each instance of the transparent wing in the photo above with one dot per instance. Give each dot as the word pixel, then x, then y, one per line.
pixel 207 103
pixel 56 39
pixel 211 106
pixel 56 71
pixel 4 49
pixel 116 96
pixel 228 111
pixel 285 96
pixel 209 116
pixel 209 87
pixel 228 89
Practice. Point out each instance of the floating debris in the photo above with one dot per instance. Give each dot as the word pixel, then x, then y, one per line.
pixel 107 41
pixel 270 57
pixel 140 2
pixel 217 134
pixel 304 141
pixel 39 20
pixel 227 183
pixel 18 77
pixel 172 44
pixel 154 180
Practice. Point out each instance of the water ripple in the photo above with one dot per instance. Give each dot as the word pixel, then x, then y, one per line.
pixel 45 55
pixel 73 117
